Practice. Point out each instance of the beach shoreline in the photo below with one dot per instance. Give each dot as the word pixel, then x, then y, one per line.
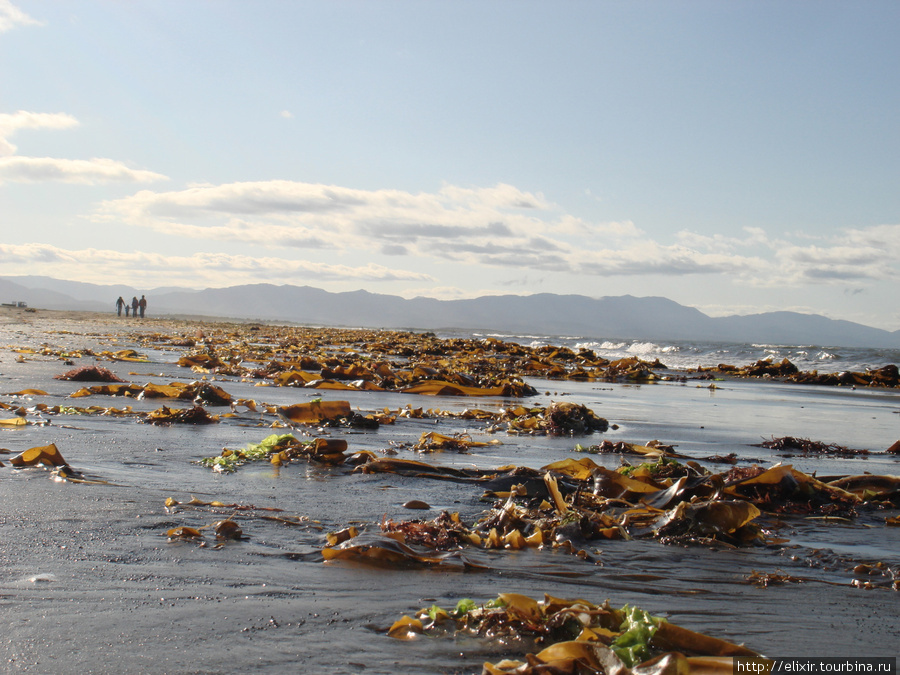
pixel 91 582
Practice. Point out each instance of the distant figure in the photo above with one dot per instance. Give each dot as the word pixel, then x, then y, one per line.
pixel 127 309
pixel 134 307
pixel 120 303
pixel 143 305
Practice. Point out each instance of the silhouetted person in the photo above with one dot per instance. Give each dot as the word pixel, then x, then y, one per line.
pixel 120 303
pixel 127 309
pixel 134 307
pixel 143 305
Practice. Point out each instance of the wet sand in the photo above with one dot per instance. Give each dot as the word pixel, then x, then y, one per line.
pixel 90 583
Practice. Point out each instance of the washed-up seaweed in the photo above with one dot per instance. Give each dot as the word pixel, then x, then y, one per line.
pixel 887 376
pixel 570 503
pixel 199 392
pixel 804 446
pixel 431 441
pixel 90 374
pixel 331 413
pixel 49 457
pixel 574 636
pixel 361 359
pixel 384 550
pixel 165 416
pixel 557 419
pixel 279 449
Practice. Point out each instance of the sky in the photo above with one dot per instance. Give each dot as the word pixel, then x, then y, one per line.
pixel 738 157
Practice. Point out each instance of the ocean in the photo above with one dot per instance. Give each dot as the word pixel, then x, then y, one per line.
pixel 687 355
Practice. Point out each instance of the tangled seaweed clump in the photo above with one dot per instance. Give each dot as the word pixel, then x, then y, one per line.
pixel 90 374
pixel 407 362
pixel 574 636
pixel 570 503
pixel 886 376
pixel 279 449
pixel 804 446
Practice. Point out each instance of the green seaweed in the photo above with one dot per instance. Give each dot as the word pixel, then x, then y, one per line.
pixel 229 463
pixel 638 627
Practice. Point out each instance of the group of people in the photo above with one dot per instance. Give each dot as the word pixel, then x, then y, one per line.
pixel 135 306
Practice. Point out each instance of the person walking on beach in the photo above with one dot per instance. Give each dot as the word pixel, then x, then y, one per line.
pixel 134 307
pixel 120 303
pixel 127 309
pixel 143 305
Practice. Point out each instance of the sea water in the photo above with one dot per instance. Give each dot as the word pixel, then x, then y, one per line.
pixel 684 354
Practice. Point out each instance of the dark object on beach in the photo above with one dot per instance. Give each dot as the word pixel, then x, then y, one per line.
pixel 90 374
pixel 808 447
pixel 571 418
pixel 195 415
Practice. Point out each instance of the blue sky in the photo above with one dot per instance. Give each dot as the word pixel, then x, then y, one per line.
pixel 733 156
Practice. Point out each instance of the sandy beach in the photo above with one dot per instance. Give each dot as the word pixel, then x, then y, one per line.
pixel 93 580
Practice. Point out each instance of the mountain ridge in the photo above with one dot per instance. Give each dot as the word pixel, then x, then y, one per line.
pixel 620 317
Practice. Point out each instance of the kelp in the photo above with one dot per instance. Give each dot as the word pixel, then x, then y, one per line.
pixel 223 530
pixel 575 636
pixel 279 449
pixel 385 551
pixel 886 376
pixel 127 411
pixel 651 449
pixel 130 390
pixel 804 446
pixel 47 455
pixel 444 388
pixel 568 503
pixel 783 489
pixel 199 392
pixel 410 467
pixel 766 579
pixel 203 361
pixel 431 441
pixel 125 355
pixel 869 487
pixel 165 416
pixel 316 412
pixel 247 511
pixel 444 533
pixel 557 419
pixel 89 374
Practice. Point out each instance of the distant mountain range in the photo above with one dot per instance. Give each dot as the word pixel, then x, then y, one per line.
pixel 620 317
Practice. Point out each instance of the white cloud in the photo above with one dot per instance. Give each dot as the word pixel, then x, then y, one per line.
pixel 86 171
pixel 605 231
pixel 212 269
pixel 351 218
pixel 495 227
pixel 286 114
pixel 649 257
pixel 39 169
pixel 10 123
pixel 499 196
pixel 12 17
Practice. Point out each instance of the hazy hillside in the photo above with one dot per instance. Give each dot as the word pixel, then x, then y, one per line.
pixel 628 317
